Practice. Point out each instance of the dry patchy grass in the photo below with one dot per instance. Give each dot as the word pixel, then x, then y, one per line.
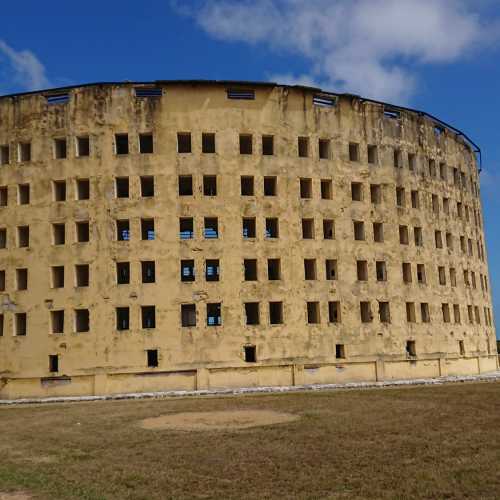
pixel 422 442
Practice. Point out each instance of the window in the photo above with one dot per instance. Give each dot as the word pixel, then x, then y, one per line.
pixel 3 238
pixel 121 144
pixel 145 143
pixel 2 325
pixel 415 202
pixel 247 188
pixel 122 318
pixel 249 227
pixel 326 189
pixel 372 154
pixel 82 275
pixel 406 267
pixel 123 230
pixel 417 236
pixel 185 185
pixel 148 271
pixel 83 146
pixel 330 269
pixel 252 316
pixel 438 239
pixel 470 314
pixel 211 228
pixel 212 270
pixel 273 269
pixel 442 275
pixel 453 277
pixel 267 145
pixel 456 313
pixel 250 269
pixel 339 351
pixel 148 317
pixel 384 312
pixel 309 269
pixel 241 94
pixel 188 315
pixel 21 324
pixel 400 197
pixel 375 194
pixel 59 189
pixel 328 229
pixel 23 194
pixel 3 196
pixel 250 353
pixel 381 270
pixel 435 204
pixel 432 168
pixel 4 154
pixel 245 144
pixel 410 312
pixel 123 273
pixel 442 171
pixel 272 228
pixel 147 229
pixel 412 162
pixel 152 358
pixel 184 142
pixel 82 189
pixel 186 228
pixel 210 185
pixel 411 349
pixel 208 143
pixel 308 229
pixel 275 313
pixel 22 279
pixel 23 236
pixel 449 241
pixel 24 151
pixel 122 187
pixel 362 270
pixel 270 186
pixel 306 188
pixel 324 149
pixel 403 235
pixel 53 363
pixel 82 320
pixel 446 313
pixel 334 312
pixel 313 316
pixel 424 312
pixel 303 147
pixel 187 270
pixel 356 191
pixel 354 152
pixel 365 312
pixel 421 274
pixel 58 277
pixel 60 148
pixel 59 233
pixel 446 206
pixel 147 186
pixel 461 347
pixel 398 159
pixel 214 314
pixel 57 321
pixel 378 232
pixel 2 280
pixel 359 230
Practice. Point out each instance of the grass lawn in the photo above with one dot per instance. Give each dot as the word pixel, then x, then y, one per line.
pixel 416 442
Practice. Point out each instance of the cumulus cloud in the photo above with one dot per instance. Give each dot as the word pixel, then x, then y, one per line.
pixel 22 69
pixel 370 47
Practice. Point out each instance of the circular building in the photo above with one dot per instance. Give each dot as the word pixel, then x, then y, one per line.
pixel 203 234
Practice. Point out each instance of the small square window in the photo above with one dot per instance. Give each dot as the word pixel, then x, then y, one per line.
pixel 60 148
pixel 365 312
pixel 339 351
pixel 275 313
pixel 21 324
pixel 57 321
pixel 122 318
pixel 250 269
pixel 303 147
pixel 354 152
pixel 411 349
pixel 123 273
pixel 185 185
pixel 272 228
pixel 247 185
pixel 378 232
pixel 148 317
pixel 328 229
pixel 306 188
pixel 82 189
pixel 270 186
pixel 23 236
pixel 58 277
pixel 148 229
pixel 4 196
pixel 208 143
pixel 308 229
pixel 310 269
pixel 83 146
pixel 330 269
pixel 267 145
pixel 22 279
pixel 148 271
pixel 273 269
pixel 147 186
pixel 82 275
pixel 122 187
pixel 252 316
pixel 184 142
pixel 210 185
pixel 145 143
pixel 152 358
pixel 4 154
pixel 59 234
pixel 326 189
pixel 372 154
pixel 59 188
pixel 123 230
pixel 3 237
pixel 188 315
pixel 313 314
pixel 212 270
pixel 403 235
pixel 53 363
pixel 359 230
pixel 250 353
pixel 245 144
pixel 214 317
pixel 211 229
pixel 187 271
pixel 362 270
pixel 381 270
pixel 249 227
pixel 186 228
pixel 375 194
pixel 324 149
pixel 356 191
pixel 82 320
pixel 121 144
pixel 334 312
pixel 25 151
pixel 82 232
pixel 23 194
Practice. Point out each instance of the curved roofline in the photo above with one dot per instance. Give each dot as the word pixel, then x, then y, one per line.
pixel 458 132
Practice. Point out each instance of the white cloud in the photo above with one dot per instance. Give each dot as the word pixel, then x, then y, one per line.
pixel 22 68
pixel 370 47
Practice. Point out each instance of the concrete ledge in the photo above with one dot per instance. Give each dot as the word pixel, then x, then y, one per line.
pixel 485 377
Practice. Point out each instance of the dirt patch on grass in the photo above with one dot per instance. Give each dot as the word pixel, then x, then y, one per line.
pixel 217 420
pixel 15 496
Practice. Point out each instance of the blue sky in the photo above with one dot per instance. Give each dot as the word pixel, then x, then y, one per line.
pixel 442 56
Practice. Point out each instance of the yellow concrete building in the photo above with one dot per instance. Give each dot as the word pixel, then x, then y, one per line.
pixel 190 234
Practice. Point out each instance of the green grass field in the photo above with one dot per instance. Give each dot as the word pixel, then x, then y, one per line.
pixel 416 442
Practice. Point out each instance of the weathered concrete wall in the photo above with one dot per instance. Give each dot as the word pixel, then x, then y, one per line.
pixel 106 360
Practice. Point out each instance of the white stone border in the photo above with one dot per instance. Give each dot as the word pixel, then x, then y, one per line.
pixel 485 377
